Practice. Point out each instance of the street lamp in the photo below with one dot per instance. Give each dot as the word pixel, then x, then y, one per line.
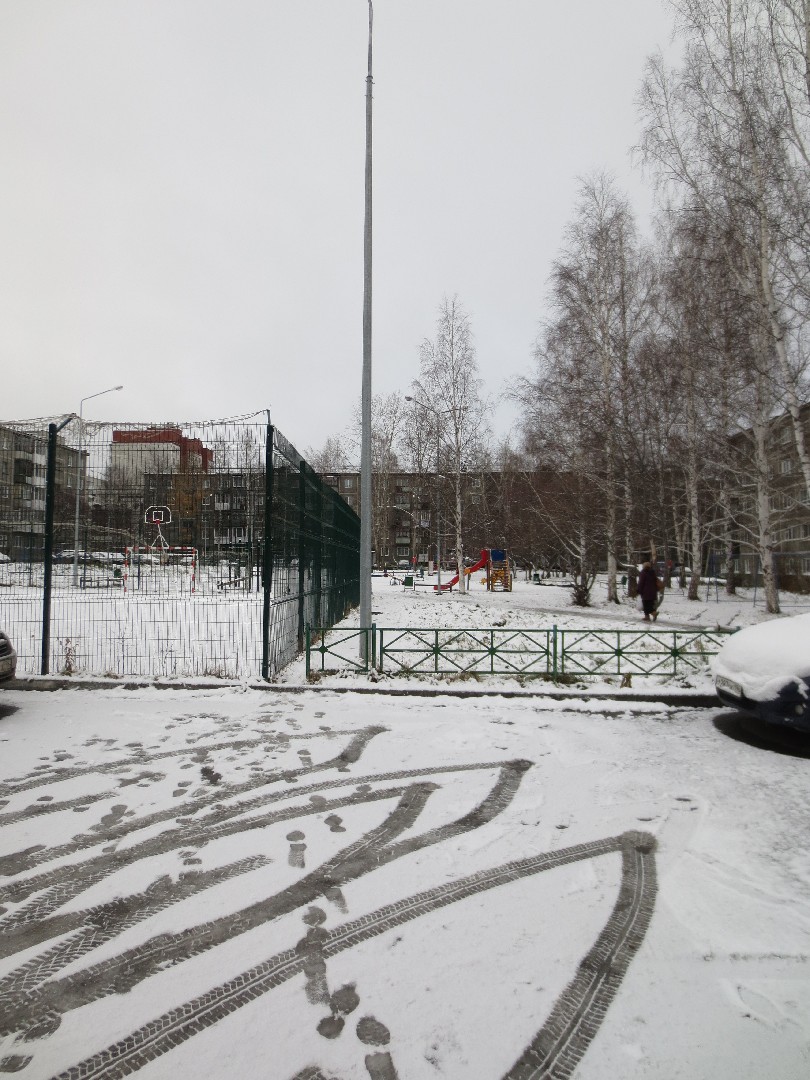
pixel 79 481
pixel 365 405
pixel 437 413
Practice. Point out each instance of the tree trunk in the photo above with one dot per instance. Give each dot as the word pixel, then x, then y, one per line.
pixel 697 552
pixel 692 480
pixel 765 534
pixel 728 545
pixel 462 580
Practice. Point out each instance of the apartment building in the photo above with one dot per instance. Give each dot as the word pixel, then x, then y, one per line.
pixel 23 463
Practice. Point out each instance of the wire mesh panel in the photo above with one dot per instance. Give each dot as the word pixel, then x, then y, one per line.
pixel 174 546
pixel 636 652
pixel 457 651
pixel 521 652
pixel 316 545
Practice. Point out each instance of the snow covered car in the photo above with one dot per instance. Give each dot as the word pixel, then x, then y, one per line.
pixel 765 671
pixel 8 657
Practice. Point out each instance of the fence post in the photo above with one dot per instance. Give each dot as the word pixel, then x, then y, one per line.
pixel 308 643
pixel 302 547
pixel 50 482
pixel 382 649
pixel 554 652
pixel 317 555
pixel 267 551
pixel 373 645
pixel 50 492
pixel 436 650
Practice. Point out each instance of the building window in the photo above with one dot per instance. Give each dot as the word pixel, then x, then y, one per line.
pixel 347 483
pixel 785 466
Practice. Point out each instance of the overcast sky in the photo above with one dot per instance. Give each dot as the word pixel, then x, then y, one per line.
pixel 181 192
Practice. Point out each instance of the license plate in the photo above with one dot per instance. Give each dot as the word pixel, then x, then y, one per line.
pixel 730 687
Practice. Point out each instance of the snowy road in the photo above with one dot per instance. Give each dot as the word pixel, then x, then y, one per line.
pixel 316 885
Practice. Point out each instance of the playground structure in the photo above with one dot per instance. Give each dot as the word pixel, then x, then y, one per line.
pixel 498 568
pixel 499 571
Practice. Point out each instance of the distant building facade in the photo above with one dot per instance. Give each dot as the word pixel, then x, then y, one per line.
pixel 23 463
pixel 789 506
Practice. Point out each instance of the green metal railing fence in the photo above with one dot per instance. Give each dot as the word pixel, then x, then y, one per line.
pixel 544 653
pixel 341 648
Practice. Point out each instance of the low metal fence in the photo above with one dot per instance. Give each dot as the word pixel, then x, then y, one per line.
pixel 543 653
pixel 342 650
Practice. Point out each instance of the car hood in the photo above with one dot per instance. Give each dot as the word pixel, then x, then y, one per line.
pixel 764 659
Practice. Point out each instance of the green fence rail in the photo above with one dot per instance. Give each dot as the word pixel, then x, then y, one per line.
pixel 551 653
pixel 346 650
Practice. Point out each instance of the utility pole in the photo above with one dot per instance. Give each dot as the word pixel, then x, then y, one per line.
pixel 365 447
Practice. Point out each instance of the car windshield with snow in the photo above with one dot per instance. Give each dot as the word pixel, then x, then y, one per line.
pixel 765 671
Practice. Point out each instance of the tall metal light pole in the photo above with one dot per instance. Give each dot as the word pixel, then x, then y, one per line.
pixel 365 406
pixel 79 482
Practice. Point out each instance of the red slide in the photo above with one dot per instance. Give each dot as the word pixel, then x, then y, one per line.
pixel 482 562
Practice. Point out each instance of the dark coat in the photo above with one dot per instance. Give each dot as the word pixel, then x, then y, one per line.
pixel 648 585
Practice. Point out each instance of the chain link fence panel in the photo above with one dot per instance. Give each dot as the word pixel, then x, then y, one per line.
pixel 175 549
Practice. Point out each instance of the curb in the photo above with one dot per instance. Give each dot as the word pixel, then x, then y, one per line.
pixel 685 700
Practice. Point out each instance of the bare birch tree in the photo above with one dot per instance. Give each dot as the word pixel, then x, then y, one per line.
pixel 449 382
pixel 600 291
pixel 708 139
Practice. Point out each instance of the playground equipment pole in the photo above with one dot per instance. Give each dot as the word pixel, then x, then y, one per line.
pixel 365 445
pixel 79 482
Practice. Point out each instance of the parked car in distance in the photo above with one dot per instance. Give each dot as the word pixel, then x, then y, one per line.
pixel 8 657
pixel 764 670
pixel 4 557
pixel 106 557
pixel 66 556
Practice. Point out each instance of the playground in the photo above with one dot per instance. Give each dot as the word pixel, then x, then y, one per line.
pixel 494 565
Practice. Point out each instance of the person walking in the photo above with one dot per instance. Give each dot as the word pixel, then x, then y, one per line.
pixel 648 587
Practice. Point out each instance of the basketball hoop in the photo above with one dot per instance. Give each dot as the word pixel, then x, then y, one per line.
pixel 158 516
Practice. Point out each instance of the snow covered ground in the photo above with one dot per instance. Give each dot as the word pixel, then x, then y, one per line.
pixel 303 884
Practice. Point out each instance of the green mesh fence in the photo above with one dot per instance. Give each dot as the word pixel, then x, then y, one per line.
pixel 175 550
